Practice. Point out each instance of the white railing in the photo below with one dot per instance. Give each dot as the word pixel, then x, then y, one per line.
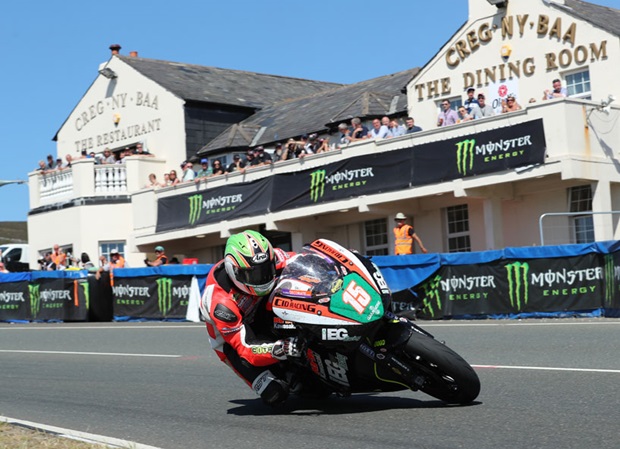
pixel 110 179
pixel 56 185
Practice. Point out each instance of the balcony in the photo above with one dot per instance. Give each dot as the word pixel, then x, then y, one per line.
pixel 85 179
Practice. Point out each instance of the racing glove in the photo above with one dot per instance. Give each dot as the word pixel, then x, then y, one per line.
pixel 288 347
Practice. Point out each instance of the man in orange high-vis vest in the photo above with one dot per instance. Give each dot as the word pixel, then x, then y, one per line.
pixel 404 236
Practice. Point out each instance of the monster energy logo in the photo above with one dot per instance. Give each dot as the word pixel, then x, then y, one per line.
pixel 432 298
pixel 465 156
pixel 164 295
pixel 195 206
pixel 86 290
pixel 35 300
pixel 317 185
pixel 518 285
pixel 610 279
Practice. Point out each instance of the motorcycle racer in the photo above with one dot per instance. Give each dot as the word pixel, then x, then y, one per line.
pixel 234 308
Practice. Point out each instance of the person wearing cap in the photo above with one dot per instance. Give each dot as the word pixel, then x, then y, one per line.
pixel 205 171
pixel 116 260
pixel 280 153
pixel 404 236
pixel 236 165
pixel 471 101
pixel 486 110
pixel 263 157
pixel 161 258
pixel 250 158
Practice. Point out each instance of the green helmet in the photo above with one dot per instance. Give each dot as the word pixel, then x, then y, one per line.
pixel 250 263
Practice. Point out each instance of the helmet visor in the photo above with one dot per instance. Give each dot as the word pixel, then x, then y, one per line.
pixel 256 276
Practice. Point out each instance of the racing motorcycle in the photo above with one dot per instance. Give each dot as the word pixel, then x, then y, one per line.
pixel 337 304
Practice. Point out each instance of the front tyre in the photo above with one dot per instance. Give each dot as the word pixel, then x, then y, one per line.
pixel 445 375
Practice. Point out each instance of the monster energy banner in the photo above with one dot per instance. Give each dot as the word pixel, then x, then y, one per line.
pixel 361 175
pixel 510 287
pixel 62 299
pixel 213 205
pixel 487 152
pixel 152 297
pixel 14 301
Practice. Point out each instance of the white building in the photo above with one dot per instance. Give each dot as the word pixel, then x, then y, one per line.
pixel 512 47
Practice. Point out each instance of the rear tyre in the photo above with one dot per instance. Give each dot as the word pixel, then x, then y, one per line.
pixel 446 375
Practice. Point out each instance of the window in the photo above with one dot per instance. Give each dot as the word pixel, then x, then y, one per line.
pixel 375 232
pixel 457 221
pixel 105 248
pixel 578 85
pixel 582 226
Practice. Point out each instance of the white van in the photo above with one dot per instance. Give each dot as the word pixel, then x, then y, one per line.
pixel 15 256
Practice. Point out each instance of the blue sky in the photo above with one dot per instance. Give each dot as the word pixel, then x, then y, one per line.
pixel 52 51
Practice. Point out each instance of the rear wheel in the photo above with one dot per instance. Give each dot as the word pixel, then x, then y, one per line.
pixel 444 373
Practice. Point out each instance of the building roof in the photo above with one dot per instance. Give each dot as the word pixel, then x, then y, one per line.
pixel 317 113
pixel 224 86
pixel 606 18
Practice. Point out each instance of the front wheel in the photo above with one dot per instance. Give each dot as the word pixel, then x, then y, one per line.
pixel 443 373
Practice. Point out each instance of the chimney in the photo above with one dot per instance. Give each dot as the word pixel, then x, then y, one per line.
pixel 133 54
pixel 115 48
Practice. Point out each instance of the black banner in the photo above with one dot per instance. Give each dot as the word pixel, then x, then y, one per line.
pixel 476 154
pixel 61 299
pixel 509 287
pixel 152 297
pixel 213 205
pixel 362 175
pixel 14 301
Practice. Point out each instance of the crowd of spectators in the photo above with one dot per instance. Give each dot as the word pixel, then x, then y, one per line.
pixel 474 108
pixel 107 156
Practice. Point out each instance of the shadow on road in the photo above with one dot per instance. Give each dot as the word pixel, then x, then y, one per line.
pixel 359 403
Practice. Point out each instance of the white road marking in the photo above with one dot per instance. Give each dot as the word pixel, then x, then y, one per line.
pixel 76 435
pixel 549 368
pixel 120 354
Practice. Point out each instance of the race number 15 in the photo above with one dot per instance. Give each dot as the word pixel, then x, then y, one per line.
pixel 356 297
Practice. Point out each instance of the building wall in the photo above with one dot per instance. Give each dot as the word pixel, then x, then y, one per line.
pixel 543 44
pixel 123 111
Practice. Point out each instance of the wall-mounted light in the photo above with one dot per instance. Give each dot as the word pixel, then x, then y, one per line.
pixel 116 119
pixel 108 73
pixel 498 3
pixel 506 51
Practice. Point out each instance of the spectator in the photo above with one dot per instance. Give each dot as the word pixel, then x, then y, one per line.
pixel 379 131
pixel 280 153
pixel 108 157
pixel 51 165
pixel 188 171
pixel 205 171
pixel 236 165
pixel 510 104
pixel 411 126
pixel 250 159
pixel 166 180
pixel 557 92
pixel 46 263
pixel 463 115
pixel 141 151
pixel 116 260
pixel 59 163
pixel 345 134
pixel 173 178
pixel 174 261
pixel 360 132
pixel 486 110
pixel 161 258
pixel 59 258
pixel 153 184
pixel 68 160
pixel 404 236
pixel 471 103
pixel 42 168
pixel 263 157
pixel 85 263
pixel 395 128
pixel 448 116
pixel 3 268
pixel 121 156
pixel 217 168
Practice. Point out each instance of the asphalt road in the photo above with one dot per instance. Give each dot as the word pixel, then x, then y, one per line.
pixel 545 384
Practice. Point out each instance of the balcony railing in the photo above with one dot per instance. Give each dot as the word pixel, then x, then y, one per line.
pixel 86 180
